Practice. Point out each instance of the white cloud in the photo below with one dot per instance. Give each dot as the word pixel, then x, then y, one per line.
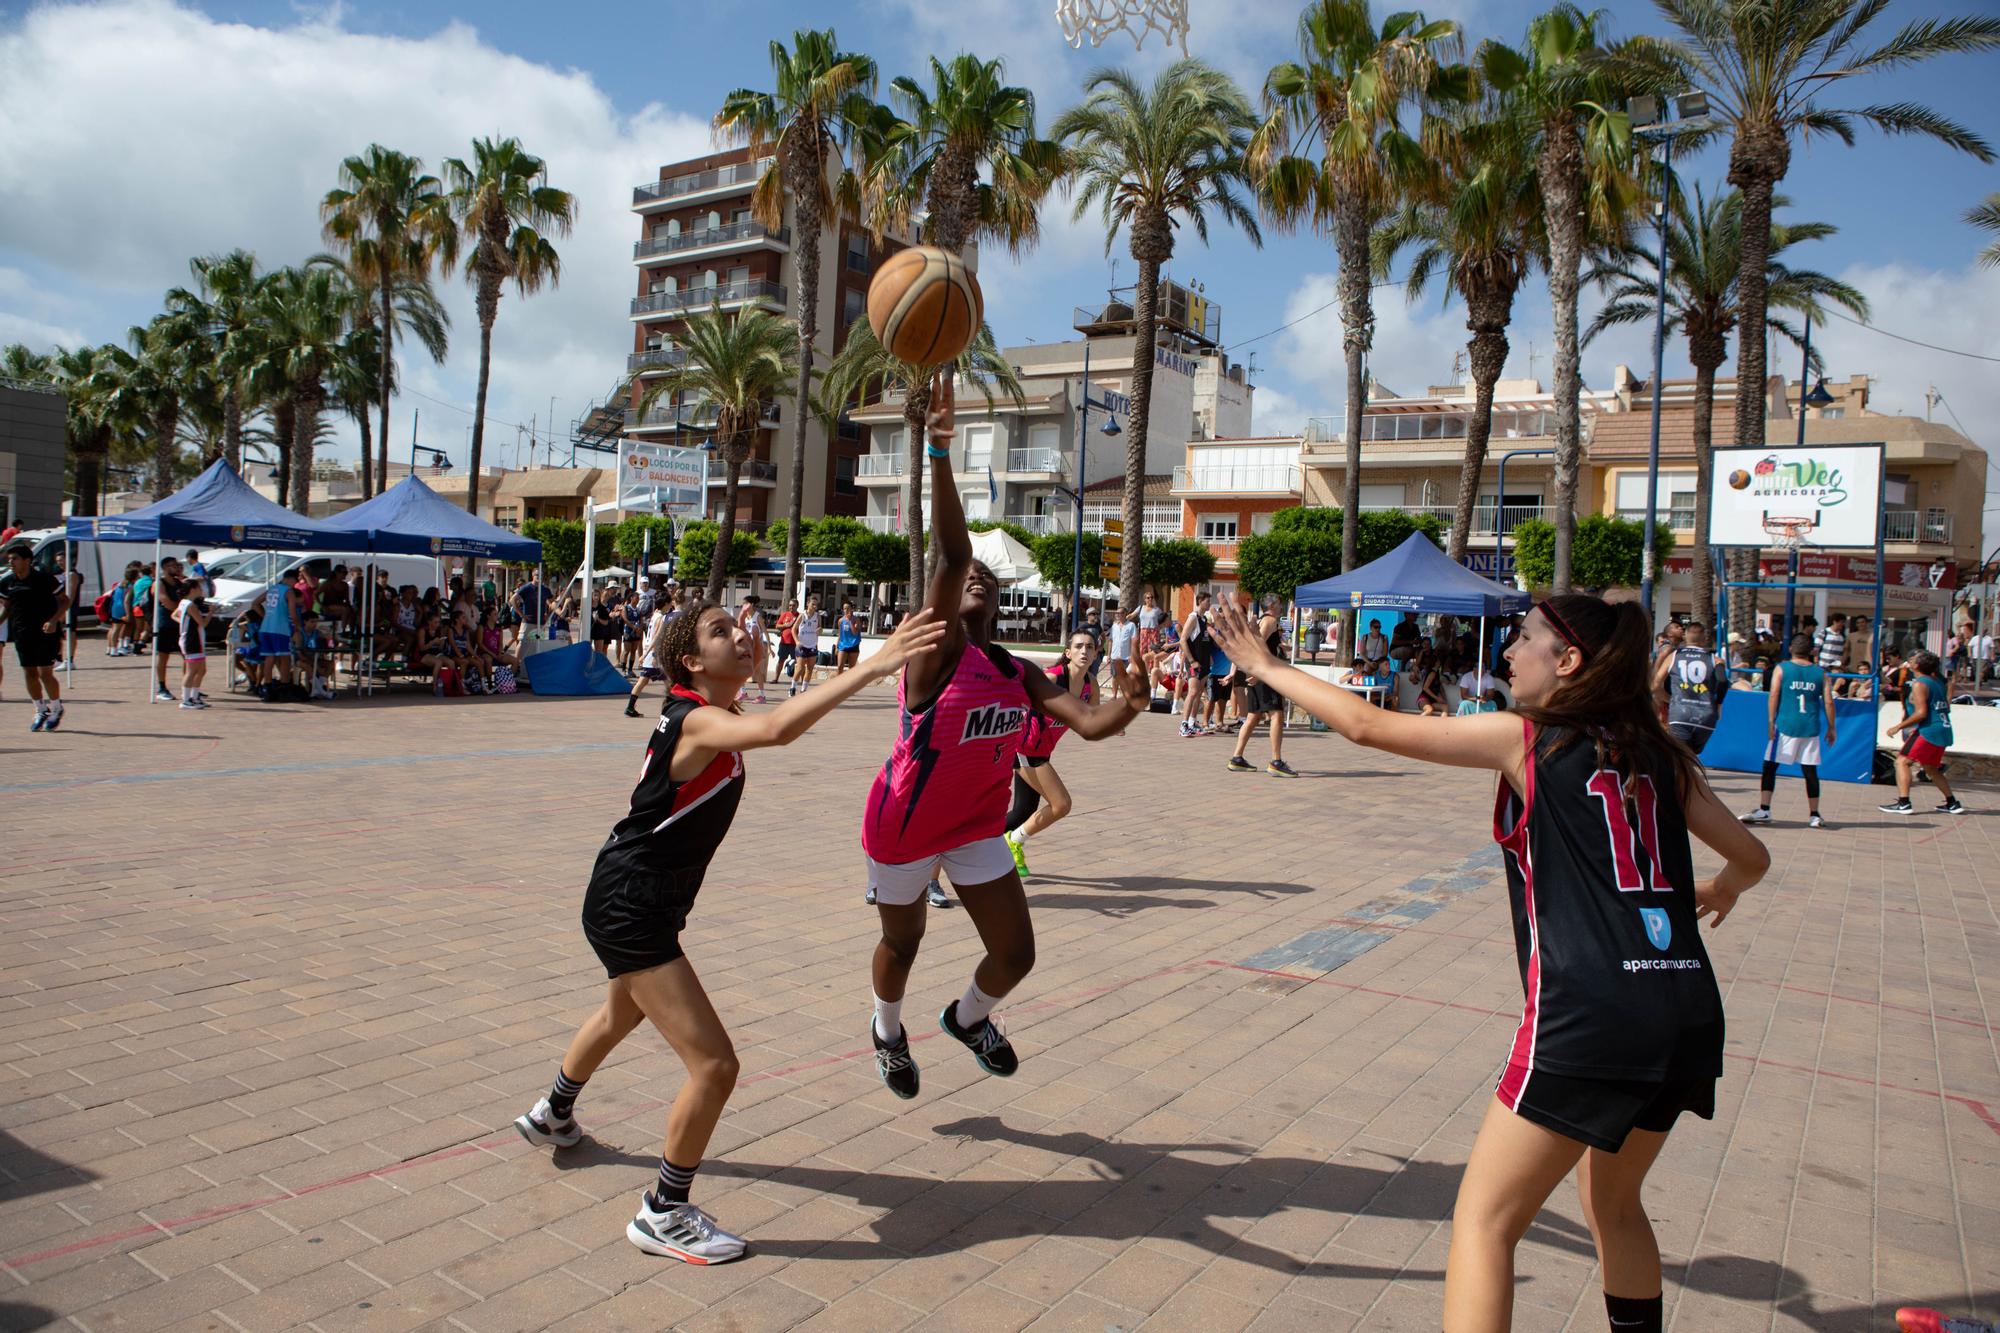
pixel 33 316
pixel 252 123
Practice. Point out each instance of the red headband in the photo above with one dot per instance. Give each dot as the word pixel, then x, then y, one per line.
pixel 1554 617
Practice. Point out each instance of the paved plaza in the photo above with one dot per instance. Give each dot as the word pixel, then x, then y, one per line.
pixel 275 980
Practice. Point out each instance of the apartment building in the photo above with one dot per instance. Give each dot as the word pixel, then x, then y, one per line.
pixel 1018 461
pixel 1228 490
pixel 698 248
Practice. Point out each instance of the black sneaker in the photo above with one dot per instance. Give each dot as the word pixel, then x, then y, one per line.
pixel 630 711
pixel 1280 769
pixel 893 1062
pixel 1238 764
pixel 986 1042
pixel 1898 807
pixel 1951 807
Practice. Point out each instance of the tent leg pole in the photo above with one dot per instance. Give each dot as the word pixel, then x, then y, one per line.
pixel 153 621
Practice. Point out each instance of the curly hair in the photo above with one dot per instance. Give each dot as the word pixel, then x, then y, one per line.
pixel 676 641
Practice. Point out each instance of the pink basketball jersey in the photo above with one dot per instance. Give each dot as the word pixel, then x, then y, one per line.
pixel 947 781
pixel 1043 731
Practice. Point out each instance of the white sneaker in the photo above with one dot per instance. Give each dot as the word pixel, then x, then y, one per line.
pixel 1757 816
pixel 541 1128
pixel 682 1232
pixel 193 703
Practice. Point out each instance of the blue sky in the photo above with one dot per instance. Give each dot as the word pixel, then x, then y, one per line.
pixel 141 132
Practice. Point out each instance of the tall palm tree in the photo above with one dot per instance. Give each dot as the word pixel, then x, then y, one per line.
pixel 419 315
pixel 394 220
pixel 822 100
pixel 1151 158
pixel 356 373
pixel 966 154
pixel 1479 228
pixel 1333 152
pixel 864 370
pixel 736 365
pixel 505 210
pixel 1986 216
pixel 1565 94
pixel 305 318
pixel 1762 63
pixel 221 305
pixel 147 380
pixel 1704 239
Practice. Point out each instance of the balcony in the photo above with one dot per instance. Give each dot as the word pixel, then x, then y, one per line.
pixel 1223 479
pixel 671 304
pixel 1156 522
pixel 882 522
pixel 1048 461
pixel 688 416
pixel 656 358
pixel 716 181
pixel 1676 518
pixel 1511 516
pixel 755 472
pixel 739 235
pixel 1917 525
pixel 1040 523
pixel 881 465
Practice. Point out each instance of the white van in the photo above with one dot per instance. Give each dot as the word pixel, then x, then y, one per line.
pixel 101 563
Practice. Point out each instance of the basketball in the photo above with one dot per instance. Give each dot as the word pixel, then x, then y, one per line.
pixel 1738 479
pixel 924 305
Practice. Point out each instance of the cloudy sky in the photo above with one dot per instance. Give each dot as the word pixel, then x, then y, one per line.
pixel 137 133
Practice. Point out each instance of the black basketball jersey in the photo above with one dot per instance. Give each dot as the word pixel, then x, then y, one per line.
pixel 676 825
pixel 1694 688
pixel 1602 886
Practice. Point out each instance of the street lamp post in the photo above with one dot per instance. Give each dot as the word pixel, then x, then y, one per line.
pixel 1111 429
pixel 1690 112
pixel 1819 397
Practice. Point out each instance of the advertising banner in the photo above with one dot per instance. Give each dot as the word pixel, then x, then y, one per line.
pixel 1836 490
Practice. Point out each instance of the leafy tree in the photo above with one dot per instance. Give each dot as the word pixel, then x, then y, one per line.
pixel 827 538
pixel 303 323
pixel 876 557
pixel 1274 563
pixel 1608 552
pixel 562 542
pixel 629 537
pixel 1379 532
pixel 1333 152
pixel 778 531
pixel 1704 239
pixel 1175 562
pixel 223 307
pixel 701 542
pixel 822 100
pixel 1014 530
pixel 1151 158
pixel 505 209
pixel 1055 554
pixel 394 220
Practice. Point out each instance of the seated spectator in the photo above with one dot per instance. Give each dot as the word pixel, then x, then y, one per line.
pixel 1897 673
pixel 1374 648
pixel 1430 684
pixel 315 655
pixel 242 641
pixel 1404 644
pixel 490 646
pixel 334 599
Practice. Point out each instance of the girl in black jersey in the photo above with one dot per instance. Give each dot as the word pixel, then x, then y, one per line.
pixel 644 885
pixel 1621 1027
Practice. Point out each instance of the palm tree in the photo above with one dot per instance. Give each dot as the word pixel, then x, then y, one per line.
pixel 1761 62
pixel 1346 95
pixel 1564 93
pixel 356 373
pixel 419 314
pixel 1704 239
pixel 1150 158
pixel 1479 226
pixel 393 220
pixel 736 365
pixel 965 153
pixel 305 322
pixel 145 386
pixel 505 210
pixel 823 100
pixel 864 370
pixel 1986 216
pixel 221 305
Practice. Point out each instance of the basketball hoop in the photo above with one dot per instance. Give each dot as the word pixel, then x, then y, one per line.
pixel 1098 19
pixel 1787 533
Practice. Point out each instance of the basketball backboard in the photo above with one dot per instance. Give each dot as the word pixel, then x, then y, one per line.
pixel 660 478
pixel 1835 491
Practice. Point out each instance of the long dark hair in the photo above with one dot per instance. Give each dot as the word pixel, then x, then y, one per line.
pixel 1609 699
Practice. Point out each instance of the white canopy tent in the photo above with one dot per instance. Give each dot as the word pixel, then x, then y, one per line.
pixel 1006 557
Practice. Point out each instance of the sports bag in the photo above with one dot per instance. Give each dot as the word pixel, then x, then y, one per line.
pixel 503 680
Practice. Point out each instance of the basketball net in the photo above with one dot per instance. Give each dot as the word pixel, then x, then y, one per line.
pixel 1787 534
pixel 1098 19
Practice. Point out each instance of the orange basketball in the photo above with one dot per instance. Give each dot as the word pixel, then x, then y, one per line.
pixel 924 305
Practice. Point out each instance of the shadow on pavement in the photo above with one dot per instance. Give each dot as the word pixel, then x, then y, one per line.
pixel 15 1314
pixel 1138 884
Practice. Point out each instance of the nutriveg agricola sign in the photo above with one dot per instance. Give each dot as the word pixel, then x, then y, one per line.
pixel 1835 489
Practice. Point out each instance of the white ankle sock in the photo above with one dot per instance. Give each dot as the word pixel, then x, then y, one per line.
pixel 974 1006
pixel 888 1018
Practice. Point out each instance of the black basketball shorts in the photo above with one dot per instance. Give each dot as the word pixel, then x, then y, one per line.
pixel 633 917
pixel 1600 1112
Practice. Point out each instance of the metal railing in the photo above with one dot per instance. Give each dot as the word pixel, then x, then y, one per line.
pixel 1035 460
pixel 1223 478
pixel 695 298
pixel 1916 525
pixel 882 522
pixel 754 469
pixel 1678 518
pixel 1039 523
pixel 656 358
pixel 723 235
pixel 715 178
pixel 881 465
pixel 1510 516
pixel 1155 521
pixel 687 414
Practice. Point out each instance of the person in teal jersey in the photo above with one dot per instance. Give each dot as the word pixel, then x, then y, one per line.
pixel 1800 701
pixel 1926 728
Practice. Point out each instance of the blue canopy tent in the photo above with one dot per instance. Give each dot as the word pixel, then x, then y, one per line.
pixel 412 519
pixel 217 508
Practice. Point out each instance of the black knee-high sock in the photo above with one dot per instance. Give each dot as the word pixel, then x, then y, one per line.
pixel 562 1097
pixel 1812 780
pixel 1026 801
pixel 1641 1315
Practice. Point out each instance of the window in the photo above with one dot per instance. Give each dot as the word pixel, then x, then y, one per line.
pixel 1832 413
pixel 739 276
pixel 978 446
pixel 1216 527
pixel 708 278
pixel 740 215
pixel 1044 436
pixel 673 226
pixel 714 220
pixel 843 475
pixel 1260 524
pixel 1382 496
pixel 852 306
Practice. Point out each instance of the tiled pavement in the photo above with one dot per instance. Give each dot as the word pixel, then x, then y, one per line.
pixel 275 979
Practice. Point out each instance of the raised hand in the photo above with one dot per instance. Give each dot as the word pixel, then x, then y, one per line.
pixel 1712 897
pixel 918 635
pixel 1240 640
pixel 944 409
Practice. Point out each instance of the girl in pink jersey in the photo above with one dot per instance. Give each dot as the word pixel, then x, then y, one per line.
pixel 941 800
pixel 1035 777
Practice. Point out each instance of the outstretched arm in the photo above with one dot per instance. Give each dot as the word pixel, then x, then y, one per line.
pixel 1486 740
pixel 954 543
pixel 1128 697
pixel 708 732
